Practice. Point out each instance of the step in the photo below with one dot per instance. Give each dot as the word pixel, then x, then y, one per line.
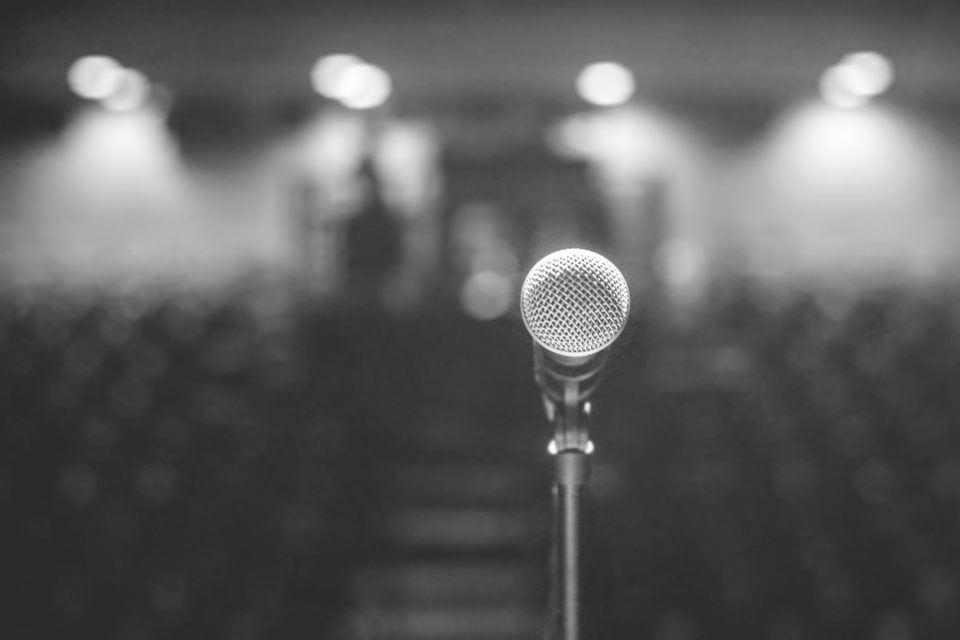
pixel 467 483
pixel 465 528
pixel 448 584
pixel 448 623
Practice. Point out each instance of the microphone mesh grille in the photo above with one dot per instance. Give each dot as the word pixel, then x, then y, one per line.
pixel 574 302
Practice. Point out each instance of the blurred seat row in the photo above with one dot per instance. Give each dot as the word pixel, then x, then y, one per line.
pixel 216 468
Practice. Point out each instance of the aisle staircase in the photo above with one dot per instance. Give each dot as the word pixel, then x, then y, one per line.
pixel 461 549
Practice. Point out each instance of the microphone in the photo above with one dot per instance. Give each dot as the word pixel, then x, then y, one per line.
pixel 575 304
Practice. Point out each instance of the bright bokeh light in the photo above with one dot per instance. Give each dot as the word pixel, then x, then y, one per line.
pixel 354 83
pixel 112 159
pixel 624 144
pixel 487 295
pixel 856 79
pixel 95 77
pixel 105 202
pixel 365 86
pixel 866 73
pixel 857 195
pixel 130 94
pixel 328 74
pixel 870 154
pixel 606 84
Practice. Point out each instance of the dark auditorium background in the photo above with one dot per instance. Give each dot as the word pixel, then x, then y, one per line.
pixel 262 367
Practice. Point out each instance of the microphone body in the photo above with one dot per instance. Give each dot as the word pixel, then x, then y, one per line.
pixel 574 304
pixel 558 375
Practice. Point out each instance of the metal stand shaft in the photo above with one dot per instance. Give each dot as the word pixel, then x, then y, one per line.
pixel 572 474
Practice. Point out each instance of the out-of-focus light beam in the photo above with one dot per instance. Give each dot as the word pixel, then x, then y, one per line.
pixel 835 91
pixel 131 92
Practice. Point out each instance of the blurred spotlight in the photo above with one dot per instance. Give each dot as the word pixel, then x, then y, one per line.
pixel 99 147
pixel 94 77
pixel 856 79
pixel 327 76
pixel 130 93
pixel 486 295
pixel 354 83
pixel 866 73
pixel 605 84
pixel 365 86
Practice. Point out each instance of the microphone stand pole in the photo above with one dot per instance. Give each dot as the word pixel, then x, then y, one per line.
pixel 572 445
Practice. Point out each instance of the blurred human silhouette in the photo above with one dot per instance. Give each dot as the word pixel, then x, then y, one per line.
pixel 372 242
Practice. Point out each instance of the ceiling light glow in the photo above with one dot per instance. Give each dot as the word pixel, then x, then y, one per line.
pixel 329 73
pixel 351 81
pixel 606 84
pixel 856 79
pixel 365 86
pixel 866 73
pixel 94 77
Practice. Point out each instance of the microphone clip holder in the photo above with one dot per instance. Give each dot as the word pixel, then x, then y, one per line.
pixel 571 424
pixel 567 382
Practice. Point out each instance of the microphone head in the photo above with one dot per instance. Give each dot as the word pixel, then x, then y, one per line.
pixel 574 302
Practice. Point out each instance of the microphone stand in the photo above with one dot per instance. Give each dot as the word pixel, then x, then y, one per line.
pixel 570 446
